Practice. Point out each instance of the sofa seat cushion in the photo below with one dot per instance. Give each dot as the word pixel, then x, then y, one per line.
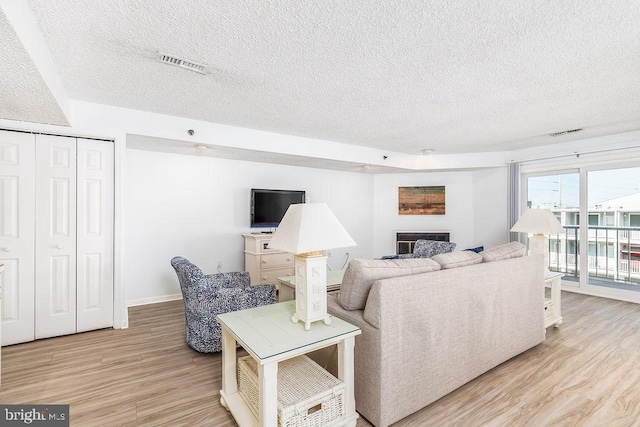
pixel 361 273
pixel 506 251
pixel 457 259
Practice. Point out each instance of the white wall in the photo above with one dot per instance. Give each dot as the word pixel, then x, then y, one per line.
pixel 476 203
pixel 490 201
pixel 198 207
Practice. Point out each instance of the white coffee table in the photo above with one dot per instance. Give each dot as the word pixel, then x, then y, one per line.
pixel 269 336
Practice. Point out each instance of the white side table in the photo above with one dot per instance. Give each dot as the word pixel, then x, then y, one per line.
pixel 552 306
pixel 269 336
pixel 287 285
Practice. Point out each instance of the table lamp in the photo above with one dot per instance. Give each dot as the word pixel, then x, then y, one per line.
pixel 306 230
pixel 540 223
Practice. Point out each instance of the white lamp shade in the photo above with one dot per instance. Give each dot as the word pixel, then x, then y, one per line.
pixel 309 227
pixel 538 221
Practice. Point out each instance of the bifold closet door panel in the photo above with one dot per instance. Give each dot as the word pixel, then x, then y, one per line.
pixel 17 193
pixel 55 280
pixel 95 234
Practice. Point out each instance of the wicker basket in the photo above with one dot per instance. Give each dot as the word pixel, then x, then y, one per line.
pixel 308 396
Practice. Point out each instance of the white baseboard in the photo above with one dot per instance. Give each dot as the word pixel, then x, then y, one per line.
pixel 153 300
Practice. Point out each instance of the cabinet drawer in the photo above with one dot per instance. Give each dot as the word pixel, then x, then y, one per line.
pixel 276 260
pixel 270 276
pixel 258 244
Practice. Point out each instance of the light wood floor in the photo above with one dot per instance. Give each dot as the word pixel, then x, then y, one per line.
pixel 586 373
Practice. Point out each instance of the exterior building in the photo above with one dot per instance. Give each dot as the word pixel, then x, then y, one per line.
pixel 613 240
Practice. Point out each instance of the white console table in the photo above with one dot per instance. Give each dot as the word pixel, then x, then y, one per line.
pixel 552 306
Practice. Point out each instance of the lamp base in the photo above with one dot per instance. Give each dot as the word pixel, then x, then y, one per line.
pixel 311 290
pixel 538 245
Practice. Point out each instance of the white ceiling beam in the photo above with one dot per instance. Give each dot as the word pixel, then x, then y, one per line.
pixel 26 28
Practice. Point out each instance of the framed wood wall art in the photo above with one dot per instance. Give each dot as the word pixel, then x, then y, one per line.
pixel 421 200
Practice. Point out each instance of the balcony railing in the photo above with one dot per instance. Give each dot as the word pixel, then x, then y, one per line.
pixel 611 253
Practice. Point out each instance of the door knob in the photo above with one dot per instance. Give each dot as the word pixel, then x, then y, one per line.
pixel 6 249
pixel 58 246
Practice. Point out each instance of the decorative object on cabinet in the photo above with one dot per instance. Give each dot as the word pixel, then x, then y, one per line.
pixel 206 296
pixel 264 264
pixel 306 230
pixel 540 223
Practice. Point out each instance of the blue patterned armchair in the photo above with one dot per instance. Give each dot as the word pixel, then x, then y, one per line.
pixel 428 248
pixel 206 296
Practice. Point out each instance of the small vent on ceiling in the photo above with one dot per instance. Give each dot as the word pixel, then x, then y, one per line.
pixel 564 132
pixel 182 63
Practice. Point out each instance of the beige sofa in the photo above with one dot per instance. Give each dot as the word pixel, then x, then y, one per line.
pixel 426 333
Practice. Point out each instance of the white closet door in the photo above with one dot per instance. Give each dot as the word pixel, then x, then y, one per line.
pixel 17 195
pixel 55 236
pixel 95 234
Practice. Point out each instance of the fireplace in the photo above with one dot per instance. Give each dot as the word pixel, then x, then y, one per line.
pixel 405 240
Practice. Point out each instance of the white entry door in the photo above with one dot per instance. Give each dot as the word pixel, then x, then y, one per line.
pixel 55 282
pixel 17 197
pixel 95 234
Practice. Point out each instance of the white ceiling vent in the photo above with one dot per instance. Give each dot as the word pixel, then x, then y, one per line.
pixel 564 132
pixel 182 63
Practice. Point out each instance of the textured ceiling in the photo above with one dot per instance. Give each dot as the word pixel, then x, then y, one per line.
pixel 24 95
pixel 455 76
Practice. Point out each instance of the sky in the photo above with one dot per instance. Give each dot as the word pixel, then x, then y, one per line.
pixel 562 191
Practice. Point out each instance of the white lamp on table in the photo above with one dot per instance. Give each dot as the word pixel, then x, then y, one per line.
pixel 540 223
pixel 306 230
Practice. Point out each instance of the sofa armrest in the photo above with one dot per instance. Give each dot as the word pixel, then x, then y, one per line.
pixel 354 317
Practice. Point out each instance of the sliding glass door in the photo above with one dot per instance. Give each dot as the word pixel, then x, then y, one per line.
pixel 613 200
pixel 601 248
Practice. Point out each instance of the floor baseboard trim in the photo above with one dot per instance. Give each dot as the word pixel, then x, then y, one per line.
pixel 153 300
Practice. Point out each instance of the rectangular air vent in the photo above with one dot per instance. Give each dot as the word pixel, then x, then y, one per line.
pixel 182 63
pixel 564 132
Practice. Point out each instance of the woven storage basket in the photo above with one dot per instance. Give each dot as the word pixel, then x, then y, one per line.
pixel 308 396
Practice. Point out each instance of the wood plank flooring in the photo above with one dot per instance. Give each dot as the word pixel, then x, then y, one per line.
pixel 586 373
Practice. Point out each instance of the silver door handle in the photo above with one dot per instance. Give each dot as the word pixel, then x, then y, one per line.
pixel 58 246
pixel 6 249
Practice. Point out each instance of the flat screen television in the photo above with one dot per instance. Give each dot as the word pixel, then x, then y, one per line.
pixel 269 206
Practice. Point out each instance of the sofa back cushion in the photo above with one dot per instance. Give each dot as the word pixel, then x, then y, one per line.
pixel 506 251
pixel 361 273
pixel 457 259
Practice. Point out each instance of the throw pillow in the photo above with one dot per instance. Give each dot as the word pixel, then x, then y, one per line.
pixel 429 248
pixel 361 273
pixel 457 259
pixel 506 251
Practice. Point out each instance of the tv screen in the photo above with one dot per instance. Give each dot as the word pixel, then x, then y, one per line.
pixel 269 206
